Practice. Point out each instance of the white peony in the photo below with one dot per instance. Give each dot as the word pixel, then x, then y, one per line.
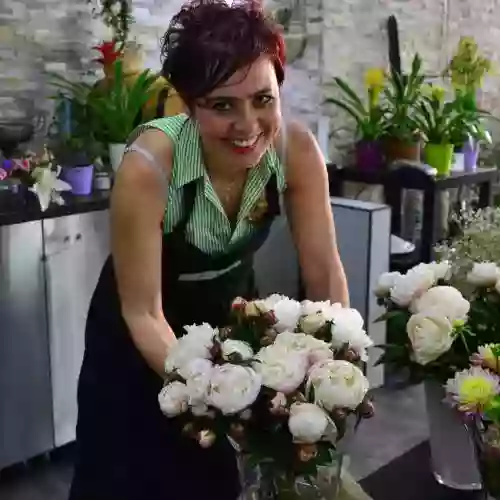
pixel 348 328
pixel 444 301
pixel 282 369
pixel 203 333
pixel 315 349
pixel 411 285
pixel 287 311
pixel 309 307
pixel 197 373
pixel 307 423
pixel 385 283
pixel 311 323
pixel 232 346
pixel 338 384
pixel 483 274
pixel 196 343
pixel 430 334
pixel 173 399
pixel 233 388
pixel 442 270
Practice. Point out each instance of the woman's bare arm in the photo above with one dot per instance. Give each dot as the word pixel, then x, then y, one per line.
pixel 311 219
pixel 137 210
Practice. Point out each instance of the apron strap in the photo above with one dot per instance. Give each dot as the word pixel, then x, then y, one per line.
pixel 273 197
pixel 189 197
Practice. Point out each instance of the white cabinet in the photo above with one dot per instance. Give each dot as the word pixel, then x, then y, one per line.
pixel 76 247
pixel 25 393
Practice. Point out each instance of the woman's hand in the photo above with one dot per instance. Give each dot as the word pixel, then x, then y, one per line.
pixel 310 217
pixel 137 210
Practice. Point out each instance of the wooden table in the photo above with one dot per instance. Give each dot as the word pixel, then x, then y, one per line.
pixel 404 177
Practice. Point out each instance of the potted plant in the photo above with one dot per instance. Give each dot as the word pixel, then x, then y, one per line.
pixel 118 107
pixel 73 144
pixel 437 121
pixel 467 70
pixel 470 133
pixel 402 94
pixel 369 117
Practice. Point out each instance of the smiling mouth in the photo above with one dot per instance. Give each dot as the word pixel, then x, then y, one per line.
pixel 246 143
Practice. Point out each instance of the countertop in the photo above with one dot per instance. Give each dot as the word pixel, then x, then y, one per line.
pixel 15 209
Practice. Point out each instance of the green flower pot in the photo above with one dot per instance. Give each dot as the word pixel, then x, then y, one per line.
pixel 440 157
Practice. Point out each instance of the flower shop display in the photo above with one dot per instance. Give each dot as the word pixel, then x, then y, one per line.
pixel 429 336
pixel 475 394
pixel 403 93
pixel 369 117
pixel 281 382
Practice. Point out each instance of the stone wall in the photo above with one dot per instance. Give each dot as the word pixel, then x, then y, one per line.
pixel 345 37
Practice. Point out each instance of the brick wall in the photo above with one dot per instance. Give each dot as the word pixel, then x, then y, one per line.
pixel 344 38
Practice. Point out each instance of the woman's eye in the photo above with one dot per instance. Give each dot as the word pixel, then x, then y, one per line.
pixel 263 100
pixel 221 106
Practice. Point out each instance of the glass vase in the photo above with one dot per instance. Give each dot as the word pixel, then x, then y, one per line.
pixel 489 461
pixel 453 448
pixel 263 482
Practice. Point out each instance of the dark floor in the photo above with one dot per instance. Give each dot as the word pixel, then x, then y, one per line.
pixel 408 477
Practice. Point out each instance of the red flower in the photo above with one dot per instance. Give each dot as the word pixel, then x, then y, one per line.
pixel 108 51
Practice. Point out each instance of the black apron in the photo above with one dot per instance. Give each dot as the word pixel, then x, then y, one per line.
pixel 126 449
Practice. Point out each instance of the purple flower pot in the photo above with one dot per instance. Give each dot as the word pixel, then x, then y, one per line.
pixel 80 179
pixel 471 154
pixel 369 155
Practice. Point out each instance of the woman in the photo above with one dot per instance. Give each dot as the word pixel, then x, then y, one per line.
pixel 193 200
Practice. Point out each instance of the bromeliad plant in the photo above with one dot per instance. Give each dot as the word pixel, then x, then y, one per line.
pixel 437 119
pixel 369 115
pixel 113 110
pixel 403 94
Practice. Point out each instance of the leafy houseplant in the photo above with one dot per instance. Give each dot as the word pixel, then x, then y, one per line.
pixel 403 94
pixel 437 121
pixel 369 117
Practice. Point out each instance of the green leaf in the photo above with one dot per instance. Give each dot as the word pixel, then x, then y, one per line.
pixel 352 96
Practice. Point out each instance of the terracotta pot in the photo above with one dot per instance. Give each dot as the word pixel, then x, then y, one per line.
pixel 396 149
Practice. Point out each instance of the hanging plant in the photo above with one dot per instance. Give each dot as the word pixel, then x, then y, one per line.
pixel 116 15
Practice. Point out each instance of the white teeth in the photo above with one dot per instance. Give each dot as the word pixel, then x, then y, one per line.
pixel 247 143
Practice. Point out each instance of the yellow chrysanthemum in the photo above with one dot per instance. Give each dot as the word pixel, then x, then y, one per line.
pixel 488 356
pixel 375 78
pixel 474 389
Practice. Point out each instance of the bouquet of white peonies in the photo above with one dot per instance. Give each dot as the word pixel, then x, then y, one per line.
pixel 427 322
pixel 280 381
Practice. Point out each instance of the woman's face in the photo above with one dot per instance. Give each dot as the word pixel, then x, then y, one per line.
pixel 239 120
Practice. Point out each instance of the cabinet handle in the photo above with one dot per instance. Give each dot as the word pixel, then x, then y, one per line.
pixel 66 239
pixel 78 237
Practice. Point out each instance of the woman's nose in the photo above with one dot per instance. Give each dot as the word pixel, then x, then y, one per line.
pixel 247 121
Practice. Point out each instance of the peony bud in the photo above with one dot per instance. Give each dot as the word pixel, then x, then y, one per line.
pixel 239 304
pixel 252 310
pixel 352 356
pixel 307 452
pixel 367 409
pixel 206 438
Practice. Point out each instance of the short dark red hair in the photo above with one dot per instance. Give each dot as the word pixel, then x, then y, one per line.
pixel 209 40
